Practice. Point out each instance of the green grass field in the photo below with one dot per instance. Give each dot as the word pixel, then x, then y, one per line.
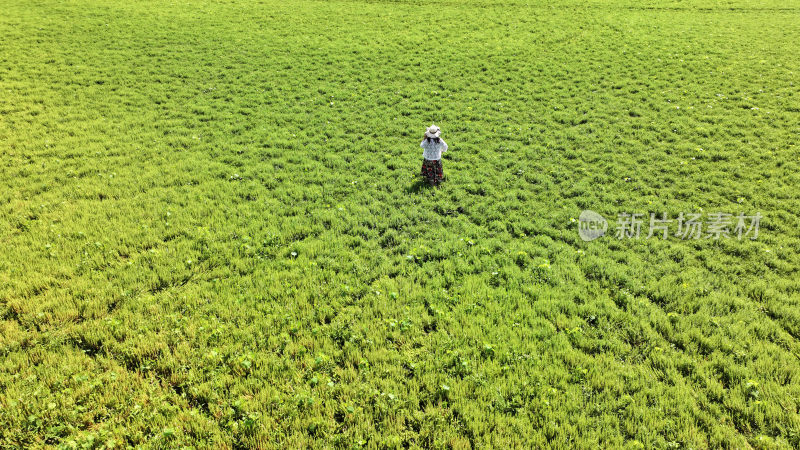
pixel 213 233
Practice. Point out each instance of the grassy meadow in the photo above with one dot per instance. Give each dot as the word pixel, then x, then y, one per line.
pixel 213 233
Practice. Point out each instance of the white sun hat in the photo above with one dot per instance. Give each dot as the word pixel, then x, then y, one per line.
pixel 433 132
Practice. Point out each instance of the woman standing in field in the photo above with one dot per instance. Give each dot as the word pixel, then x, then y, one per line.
pixel 434 147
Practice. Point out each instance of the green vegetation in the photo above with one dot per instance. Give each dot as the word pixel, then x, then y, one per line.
pixel 212 232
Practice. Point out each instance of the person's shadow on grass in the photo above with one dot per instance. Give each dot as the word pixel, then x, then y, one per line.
pixel 420 184
pixel 417 186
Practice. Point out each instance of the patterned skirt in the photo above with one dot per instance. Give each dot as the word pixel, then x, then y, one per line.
pixel 432 170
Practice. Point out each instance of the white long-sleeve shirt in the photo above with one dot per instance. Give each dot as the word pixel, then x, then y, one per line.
pixel 433 150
